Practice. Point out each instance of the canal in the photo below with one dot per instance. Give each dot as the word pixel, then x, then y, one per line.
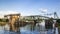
pixel 27 30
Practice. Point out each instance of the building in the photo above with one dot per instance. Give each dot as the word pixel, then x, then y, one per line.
pixel 12 19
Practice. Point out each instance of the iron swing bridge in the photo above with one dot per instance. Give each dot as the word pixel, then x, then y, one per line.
pixel 43 17
pixel 38 17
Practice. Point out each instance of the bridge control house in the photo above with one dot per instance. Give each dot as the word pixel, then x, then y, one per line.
pixel 13 18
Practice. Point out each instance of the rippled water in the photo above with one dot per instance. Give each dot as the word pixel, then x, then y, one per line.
pixel 26 30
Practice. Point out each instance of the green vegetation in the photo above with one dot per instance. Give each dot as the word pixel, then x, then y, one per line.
pixel 58 21
pixel 3 22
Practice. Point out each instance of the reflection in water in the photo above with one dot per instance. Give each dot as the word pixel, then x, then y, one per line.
pixel 27 30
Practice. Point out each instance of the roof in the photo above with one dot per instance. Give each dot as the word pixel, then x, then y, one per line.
pixel 11 15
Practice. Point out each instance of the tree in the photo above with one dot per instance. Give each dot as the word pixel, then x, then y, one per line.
pixel 7 20
pixel 0 20
pixel 58 21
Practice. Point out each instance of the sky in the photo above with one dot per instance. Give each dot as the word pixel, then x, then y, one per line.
pixel 29 7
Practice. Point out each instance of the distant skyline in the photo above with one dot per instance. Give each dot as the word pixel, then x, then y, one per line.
pixel 29 7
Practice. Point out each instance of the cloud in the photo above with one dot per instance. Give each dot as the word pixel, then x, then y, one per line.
pixel 2 13
pixel 11 12
pixel 43 10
